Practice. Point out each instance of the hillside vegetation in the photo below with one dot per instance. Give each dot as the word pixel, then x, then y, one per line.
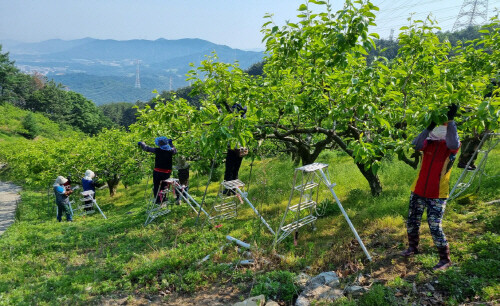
pixel 319 99
pixel 94 260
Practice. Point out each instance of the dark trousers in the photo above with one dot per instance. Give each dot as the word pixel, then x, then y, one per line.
pixel 233 163
pixel 435 211
pixel 157 178
pixel 63 209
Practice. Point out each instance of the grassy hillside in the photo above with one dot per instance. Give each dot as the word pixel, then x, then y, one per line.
pixel 11 124
pixel 93 260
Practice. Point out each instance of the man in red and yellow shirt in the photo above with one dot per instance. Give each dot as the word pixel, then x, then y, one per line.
pixel 430 190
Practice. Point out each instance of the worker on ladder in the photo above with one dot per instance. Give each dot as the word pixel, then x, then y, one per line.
pixel 163 163
pixel 234 156
pixel 430 190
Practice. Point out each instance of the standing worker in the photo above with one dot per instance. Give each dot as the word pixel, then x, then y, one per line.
pixel 163 162
pixel 62 198
pixel 234 156
pixel 430 190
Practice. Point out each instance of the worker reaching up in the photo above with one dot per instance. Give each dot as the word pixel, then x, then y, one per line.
pixel 163 162
pixel 430 190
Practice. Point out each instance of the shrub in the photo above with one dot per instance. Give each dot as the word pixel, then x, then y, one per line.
pixel 31 126
pixel 378 295
pixel 276 285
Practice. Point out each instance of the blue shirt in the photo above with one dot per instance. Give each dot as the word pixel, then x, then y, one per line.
pixel 61 198
pixel 88 185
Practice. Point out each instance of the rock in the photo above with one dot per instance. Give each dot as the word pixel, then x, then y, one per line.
pixel 355 290
pixel 259 300
pixel 430 287
pixel 302 301
pixel 323 286
pixel 272 303
pixel 325 278
pixel 301 280
pixel 414 288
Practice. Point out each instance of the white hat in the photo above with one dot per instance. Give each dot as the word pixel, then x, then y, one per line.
pixel 60 180
pixel 89 175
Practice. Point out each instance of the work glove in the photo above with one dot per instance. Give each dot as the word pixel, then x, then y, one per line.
pixel 452 111
pixel 431 126
pixel 139 143
pixel 170 142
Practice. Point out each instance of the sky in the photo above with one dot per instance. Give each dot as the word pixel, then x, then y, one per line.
pixel 235 23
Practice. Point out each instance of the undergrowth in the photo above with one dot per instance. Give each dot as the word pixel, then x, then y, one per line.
pixel 46 262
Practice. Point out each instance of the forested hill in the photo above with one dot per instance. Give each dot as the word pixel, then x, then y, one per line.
pixel 105 70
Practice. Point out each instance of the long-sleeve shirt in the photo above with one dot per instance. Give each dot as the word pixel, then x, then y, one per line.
pixel 433 180
pixel 163 158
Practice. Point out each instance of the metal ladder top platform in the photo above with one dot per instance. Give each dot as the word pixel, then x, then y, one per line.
pixel 233 184
pixel 311 167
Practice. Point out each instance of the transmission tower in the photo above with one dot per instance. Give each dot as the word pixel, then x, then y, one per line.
pixel 472 13
pixel 137 75
pixel 391 37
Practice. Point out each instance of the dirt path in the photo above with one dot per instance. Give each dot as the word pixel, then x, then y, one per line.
pixel 9 195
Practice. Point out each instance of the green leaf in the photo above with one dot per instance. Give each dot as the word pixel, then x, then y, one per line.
pixel 302 7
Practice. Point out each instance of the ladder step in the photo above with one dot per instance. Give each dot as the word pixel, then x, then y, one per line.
pixel 158 214
pixel 306 186
pixel 303 205
pixel 225 207
pixel 233 184
pixel 227 215
pixel 299 223
pixel 463 185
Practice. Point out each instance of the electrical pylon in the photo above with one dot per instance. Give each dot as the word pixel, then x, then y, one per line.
pixel 137 75
pixel 472 13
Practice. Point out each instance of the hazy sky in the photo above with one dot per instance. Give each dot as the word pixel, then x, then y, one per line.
pixel 236 23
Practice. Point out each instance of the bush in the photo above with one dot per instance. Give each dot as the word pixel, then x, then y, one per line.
pixel 276 285
pixel 31 126
pixel 378 295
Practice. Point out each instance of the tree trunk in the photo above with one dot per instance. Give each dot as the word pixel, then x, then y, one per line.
pixel 306 157
pixel 113 184
pixel 373 180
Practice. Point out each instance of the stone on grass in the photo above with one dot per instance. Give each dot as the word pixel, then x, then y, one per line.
pixel 301 280
pixel 323 286
pixel 272 303
pixel 355 290
pixel 259 300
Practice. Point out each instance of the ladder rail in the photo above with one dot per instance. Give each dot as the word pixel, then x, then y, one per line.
pixel 454 193
pixel 329 185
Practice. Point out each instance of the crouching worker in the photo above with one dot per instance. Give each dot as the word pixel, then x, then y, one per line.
pixel 430 190
pixel 62 198
pixel 183 175
pixel 163 163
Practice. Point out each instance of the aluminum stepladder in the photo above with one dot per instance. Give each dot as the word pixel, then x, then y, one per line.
pixel 466 179
pixel 155 210
pixel 88 196
pixel 305 211
pixel 226 205
pixel 186 197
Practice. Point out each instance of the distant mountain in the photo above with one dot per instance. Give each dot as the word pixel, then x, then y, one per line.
pixel 104 70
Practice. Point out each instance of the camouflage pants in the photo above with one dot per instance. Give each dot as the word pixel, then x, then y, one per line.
pixel 435 212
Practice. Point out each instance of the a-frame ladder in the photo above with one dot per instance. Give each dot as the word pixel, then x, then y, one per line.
pixel 155 210
pixel 88 203
pixel 226 205
pixel 466 179
pixel 304 211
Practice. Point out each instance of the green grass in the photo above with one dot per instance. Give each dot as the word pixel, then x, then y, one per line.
pixel 46 262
